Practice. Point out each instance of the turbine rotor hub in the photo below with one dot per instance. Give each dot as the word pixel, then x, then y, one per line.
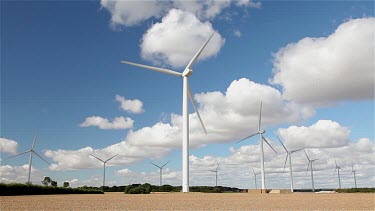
pixel 187 72
pixel 262 131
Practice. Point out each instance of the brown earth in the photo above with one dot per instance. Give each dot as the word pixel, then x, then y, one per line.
pixel 192 201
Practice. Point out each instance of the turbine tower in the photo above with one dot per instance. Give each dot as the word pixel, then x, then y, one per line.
pixel 216 170
pixel 104 163
pixel 161 169
pixel 255 178
pixel 31 151
pixel 289 154
pixel 186 93
pixel 261 139
pixel 338 173
pixel 311 170
pixel 354 172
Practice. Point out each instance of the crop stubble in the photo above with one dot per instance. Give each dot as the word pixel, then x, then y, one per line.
pixel 192 201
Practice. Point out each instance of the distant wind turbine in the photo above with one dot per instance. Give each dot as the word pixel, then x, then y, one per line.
pixel 261 139
pixel 31 151
pixel 354 172
pixel 161 169
pixel 338 173
pixel 216 170
pixel 255 178
pixel 311 170
pixel 104 163
pixel 186 93
pixel 289 154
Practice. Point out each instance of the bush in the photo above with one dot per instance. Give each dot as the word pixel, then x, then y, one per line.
pixel 13 189
pixel 356 190
pixel 138 189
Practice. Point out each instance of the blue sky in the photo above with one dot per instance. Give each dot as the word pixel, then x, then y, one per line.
pixel 60 64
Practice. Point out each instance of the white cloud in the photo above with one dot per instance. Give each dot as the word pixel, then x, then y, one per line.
pixel 249 3
pixel 177 38
pixel 227 116
pixel 322 134
pixel 8 145
pixel 19 174
pixel 237 33
pixel 130 13
pixel 118 123
pixel 332 69
pixel 132 106
pixel 123 172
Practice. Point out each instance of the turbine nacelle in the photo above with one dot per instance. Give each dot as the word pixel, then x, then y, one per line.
pixel 262 131
pixel 187 72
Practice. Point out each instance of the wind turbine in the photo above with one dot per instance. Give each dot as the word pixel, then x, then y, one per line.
pixel 161 169
pixel 186 93
pixel 354 172
pixel 289 154
pixel 338 173
pixel 255 178
pixel 31 151
pixel 261 139
pixel 311 170
pixel 216 170
pixel 104 162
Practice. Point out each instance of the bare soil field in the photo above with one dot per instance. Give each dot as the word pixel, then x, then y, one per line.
pixel 192 201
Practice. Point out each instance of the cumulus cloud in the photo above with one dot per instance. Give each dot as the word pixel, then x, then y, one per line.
pixel 329 69
pixel 118 123
pixel 227 116
pixel 19 174
pixel 132 106
pixel 322 134
pixel 130 13
pixel 177 38
pixel 8 146
pixel 123 172
pixel 237 33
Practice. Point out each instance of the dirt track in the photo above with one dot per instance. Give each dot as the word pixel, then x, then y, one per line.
pixel 191 201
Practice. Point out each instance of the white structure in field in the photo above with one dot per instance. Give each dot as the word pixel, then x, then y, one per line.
pixel 160 169
pixel 216 170
pixel 289 155
pixel 311 170
pixel 186 93
pixel 261 139
pixel 104 163
pixel 31 151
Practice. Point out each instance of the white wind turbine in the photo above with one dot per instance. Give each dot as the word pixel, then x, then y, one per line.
pixel 338 173
pixel 186 93
pixel 216 170
pixel 255 178
pixel 354 172
pixel 31 151
pixel 289 154
pixel 104 163
pixel 261 139
pixel 311 170
pixel 161 169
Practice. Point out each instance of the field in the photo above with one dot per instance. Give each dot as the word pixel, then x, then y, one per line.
pixel 192 201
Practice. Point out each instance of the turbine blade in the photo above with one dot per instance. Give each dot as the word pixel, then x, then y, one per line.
pixel 218 165
pixel 35 136
pixel 286 158
pixel 158 69
pixel 165 163
pixel 307 156
pixel 155 165
pixel 334 171
pixel 260 116
pixel 282 144
pixel 194 59
pixel 195 108
pixel 297 150
pixel 97 157
pixel 18 154
pixel 264 139
pixel 253 171
pixel 352 167
pixel 41 157
pixel 308 166
pixel 111 157
pixel 335 163
pixel 247 137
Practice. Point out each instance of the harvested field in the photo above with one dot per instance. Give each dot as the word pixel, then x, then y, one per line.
pixel 192 201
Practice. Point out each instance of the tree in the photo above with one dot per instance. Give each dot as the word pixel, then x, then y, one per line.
pixel 46 181
pixel 66 184
pixel 53 183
